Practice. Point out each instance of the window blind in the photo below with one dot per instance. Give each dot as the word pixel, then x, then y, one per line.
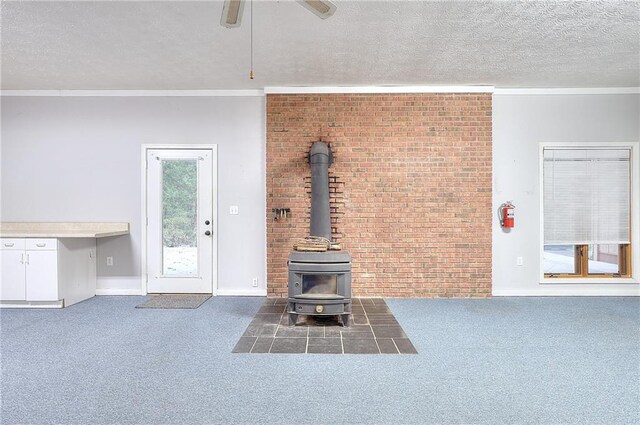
pixel 586 196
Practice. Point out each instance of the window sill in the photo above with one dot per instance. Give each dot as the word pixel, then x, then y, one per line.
pixel 589 280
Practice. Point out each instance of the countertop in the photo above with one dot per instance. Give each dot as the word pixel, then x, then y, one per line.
pixel 62 230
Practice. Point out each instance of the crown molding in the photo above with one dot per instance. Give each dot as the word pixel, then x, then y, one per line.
pixel 321 90
pixel 133 93
pixel 552 91
pixel 379 89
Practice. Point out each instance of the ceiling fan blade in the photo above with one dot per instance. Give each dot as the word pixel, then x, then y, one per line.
pixel 232 13
pixel 322 8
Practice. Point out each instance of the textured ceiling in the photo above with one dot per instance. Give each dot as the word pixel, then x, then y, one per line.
pixel 181 45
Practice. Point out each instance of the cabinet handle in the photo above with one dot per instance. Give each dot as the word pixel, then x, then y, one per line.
pixel 21 258
pixel 27 262
pixel 9 244
pixel 41 245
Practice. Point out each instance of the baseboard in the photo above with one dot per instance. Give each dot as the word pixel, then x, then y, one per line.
pixel 119 291
pixel 31 304
pixel 117 285
pixel 132 286
pixel 545 291
pixel 224 292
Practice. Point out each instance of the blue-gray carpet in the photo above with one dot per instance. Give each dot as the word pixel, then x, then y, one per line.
pixel 498 361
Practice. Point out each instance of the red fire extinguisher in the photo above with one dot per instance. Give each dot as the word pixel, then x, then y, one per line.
pixel 507 214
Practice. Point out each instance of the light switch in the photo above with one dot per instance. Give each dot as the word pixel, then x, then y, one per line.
pixel 233 209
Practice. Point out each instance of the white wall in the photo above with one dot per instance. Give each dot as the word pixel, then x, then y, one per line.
pixel 78 159
pixel 520 123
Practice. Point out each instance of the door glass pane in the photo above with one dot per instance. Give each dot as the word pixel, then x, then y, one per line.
pixel 179 218
pixel 604 259
pixel 560 259
pixel 320 284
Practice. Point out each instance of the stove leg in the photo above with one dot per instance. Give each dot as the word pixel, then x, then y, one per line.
pixel 345 320
pixel 293 318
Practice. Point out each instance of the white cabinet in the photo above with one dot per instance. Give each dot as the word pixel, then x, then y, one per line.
pixel 12 275
pixel 41 280
pixel 52 272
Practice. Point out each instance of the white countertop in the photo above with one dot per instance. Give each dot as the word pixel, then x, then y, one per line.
pixel 62 230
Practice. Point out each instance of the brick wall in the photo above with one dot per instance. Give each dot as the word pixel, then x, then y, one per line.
pixel 410 188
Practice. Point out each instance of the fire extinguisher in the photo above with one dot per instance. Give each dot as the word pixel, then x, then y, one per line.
pixel 507 214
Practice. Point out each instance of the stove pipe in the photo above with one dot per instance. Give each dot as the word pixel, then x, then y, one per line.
pixel 320 158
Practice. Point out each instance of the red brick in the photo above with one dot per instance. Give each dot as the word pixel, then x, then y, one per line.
pixel 410 188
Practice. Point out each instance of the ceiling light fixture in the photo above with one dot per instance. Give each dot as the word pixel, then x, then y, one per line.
pixel 232 13
pixel 251 41
pixel 232 10
pixel 322 8
pixel 232 16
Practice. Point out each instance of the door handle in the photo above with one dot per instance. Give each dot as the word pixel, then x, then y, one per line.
pixel 208 233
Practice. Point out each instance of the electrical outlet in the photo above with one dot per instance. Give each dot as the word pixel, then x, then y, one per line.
pixel 109 261
pixel 233 209
pixel 255 281
pixel 519 261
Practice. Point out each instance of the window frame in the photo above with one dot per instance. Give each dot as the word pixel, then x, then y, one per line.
pixel 582 265
pixel 630 257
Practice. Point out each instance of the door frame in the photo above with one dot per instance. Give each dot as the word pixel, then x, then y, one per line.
pixel 144 278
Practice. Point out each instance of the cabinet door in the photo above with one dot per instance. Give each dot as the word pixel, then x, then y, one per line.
pixel 42 276
pixel 12 283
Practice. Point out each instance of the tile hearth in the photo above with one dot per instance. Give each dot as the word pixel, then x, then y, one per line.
pixel 374 330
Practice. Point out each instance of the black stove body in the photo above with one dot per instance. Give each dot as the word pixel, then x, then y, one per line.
pixel 320 282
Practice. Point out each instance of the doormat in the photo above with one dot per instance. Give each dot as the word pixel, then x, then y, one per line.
pixel 374 330
pixel 175 301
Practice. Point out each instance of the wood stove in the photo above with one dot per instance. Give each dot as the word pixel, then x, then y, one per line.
pixel 320 282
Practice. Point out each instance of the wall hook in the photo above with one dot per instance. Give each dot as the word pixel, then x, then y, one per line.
pixel 280 213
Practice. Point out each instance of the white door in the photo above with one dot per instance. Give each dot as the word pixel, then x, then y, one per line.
pixel 180 221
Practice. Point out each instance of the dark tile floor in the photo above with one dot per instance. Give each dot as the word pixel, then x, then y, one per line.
pixel 373 330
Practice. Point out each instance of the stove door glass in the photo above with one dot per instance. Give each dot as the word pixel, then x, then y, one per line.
pixel 320 284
